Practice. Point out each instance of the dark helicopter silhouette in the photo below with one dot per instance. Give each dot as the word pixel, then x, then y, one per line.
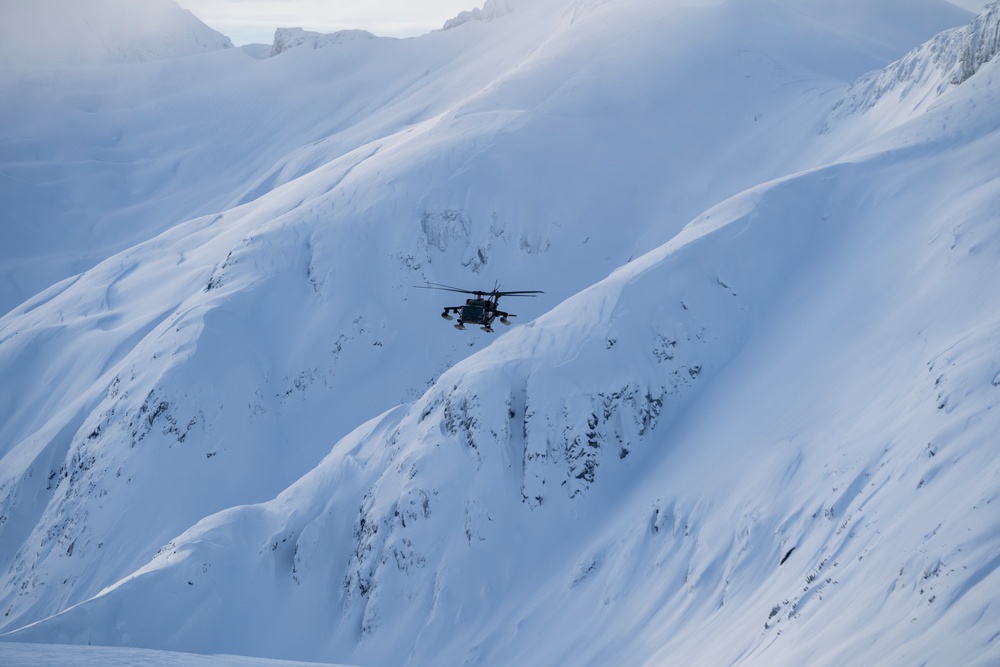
pixel 481 309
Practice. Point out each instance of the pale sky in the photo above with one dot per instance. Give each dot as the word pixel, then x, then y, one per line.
pixel 974 6
pixel 248 21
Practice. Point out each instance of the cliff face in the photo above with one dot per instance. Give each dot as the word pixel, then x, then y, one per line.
pixel 978 44
pixel 290 38
pixel 911 84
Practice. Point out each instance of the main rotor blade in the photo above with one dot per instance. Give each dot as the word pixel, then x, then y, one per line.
pixel 446 288
pixel 520 293
pixel 495 293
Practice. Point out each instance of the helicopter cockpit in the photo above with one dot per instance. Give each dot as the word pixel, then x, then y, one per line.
pixel 473 313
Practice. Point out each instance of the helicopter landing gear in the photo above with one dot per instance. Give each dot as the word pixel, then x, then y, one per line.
pixel 487 328
pixel 504 321
pixel 460 326
pixel 446 316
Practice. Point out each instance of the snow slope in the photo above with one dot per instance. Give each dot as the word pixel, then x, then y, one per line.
pixel 98 159
pixel 910 85
pixel 36 655
pixel 94 158
pixel 774 426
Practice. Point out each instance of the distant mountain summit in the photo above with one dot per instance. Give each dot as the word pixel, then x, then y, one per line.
pixel 290 38
pixel 492 9
pixel 61 32
pixel 927 72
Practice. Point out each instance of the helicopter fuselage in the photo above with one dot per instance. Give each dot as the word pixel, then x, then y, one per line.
pixel 477 311
pixel 481 309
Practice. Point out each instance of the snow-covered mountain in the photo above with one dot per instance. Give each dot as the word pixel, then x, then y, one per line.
pixel 916 81
pixel 751 421
pixel 67 33
pixel 290 38
pixel 87 170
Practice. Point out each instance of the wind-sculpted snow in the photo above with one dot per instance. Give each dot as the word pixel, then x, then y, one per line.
pixel 747 430
pixel 223 355
pixel 636 348
pixel 914 82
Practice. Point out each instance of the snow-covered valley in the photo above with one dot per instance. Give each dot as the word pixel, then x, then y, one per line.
pixel 752 420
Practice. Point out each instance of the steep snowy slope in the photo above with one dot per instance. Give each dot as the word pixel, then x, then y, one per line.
pixel 36 655
pixel 908 87
pixel 85 170
pixel 96 160
pixel 647 452
pixel 778 428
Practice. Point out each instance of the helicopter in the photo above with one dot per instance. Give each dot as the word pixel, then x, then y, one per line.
pixel 481 309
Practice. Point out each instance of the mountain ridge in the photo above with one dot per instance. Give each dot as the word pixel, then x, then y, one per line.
pixel 45 33
pixel 926 73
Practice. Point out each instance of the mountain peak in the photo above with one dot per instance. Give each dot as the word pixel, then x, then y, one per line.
pixel 927 72
pixel 492 9
pixel 290 38
pixel 61 32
